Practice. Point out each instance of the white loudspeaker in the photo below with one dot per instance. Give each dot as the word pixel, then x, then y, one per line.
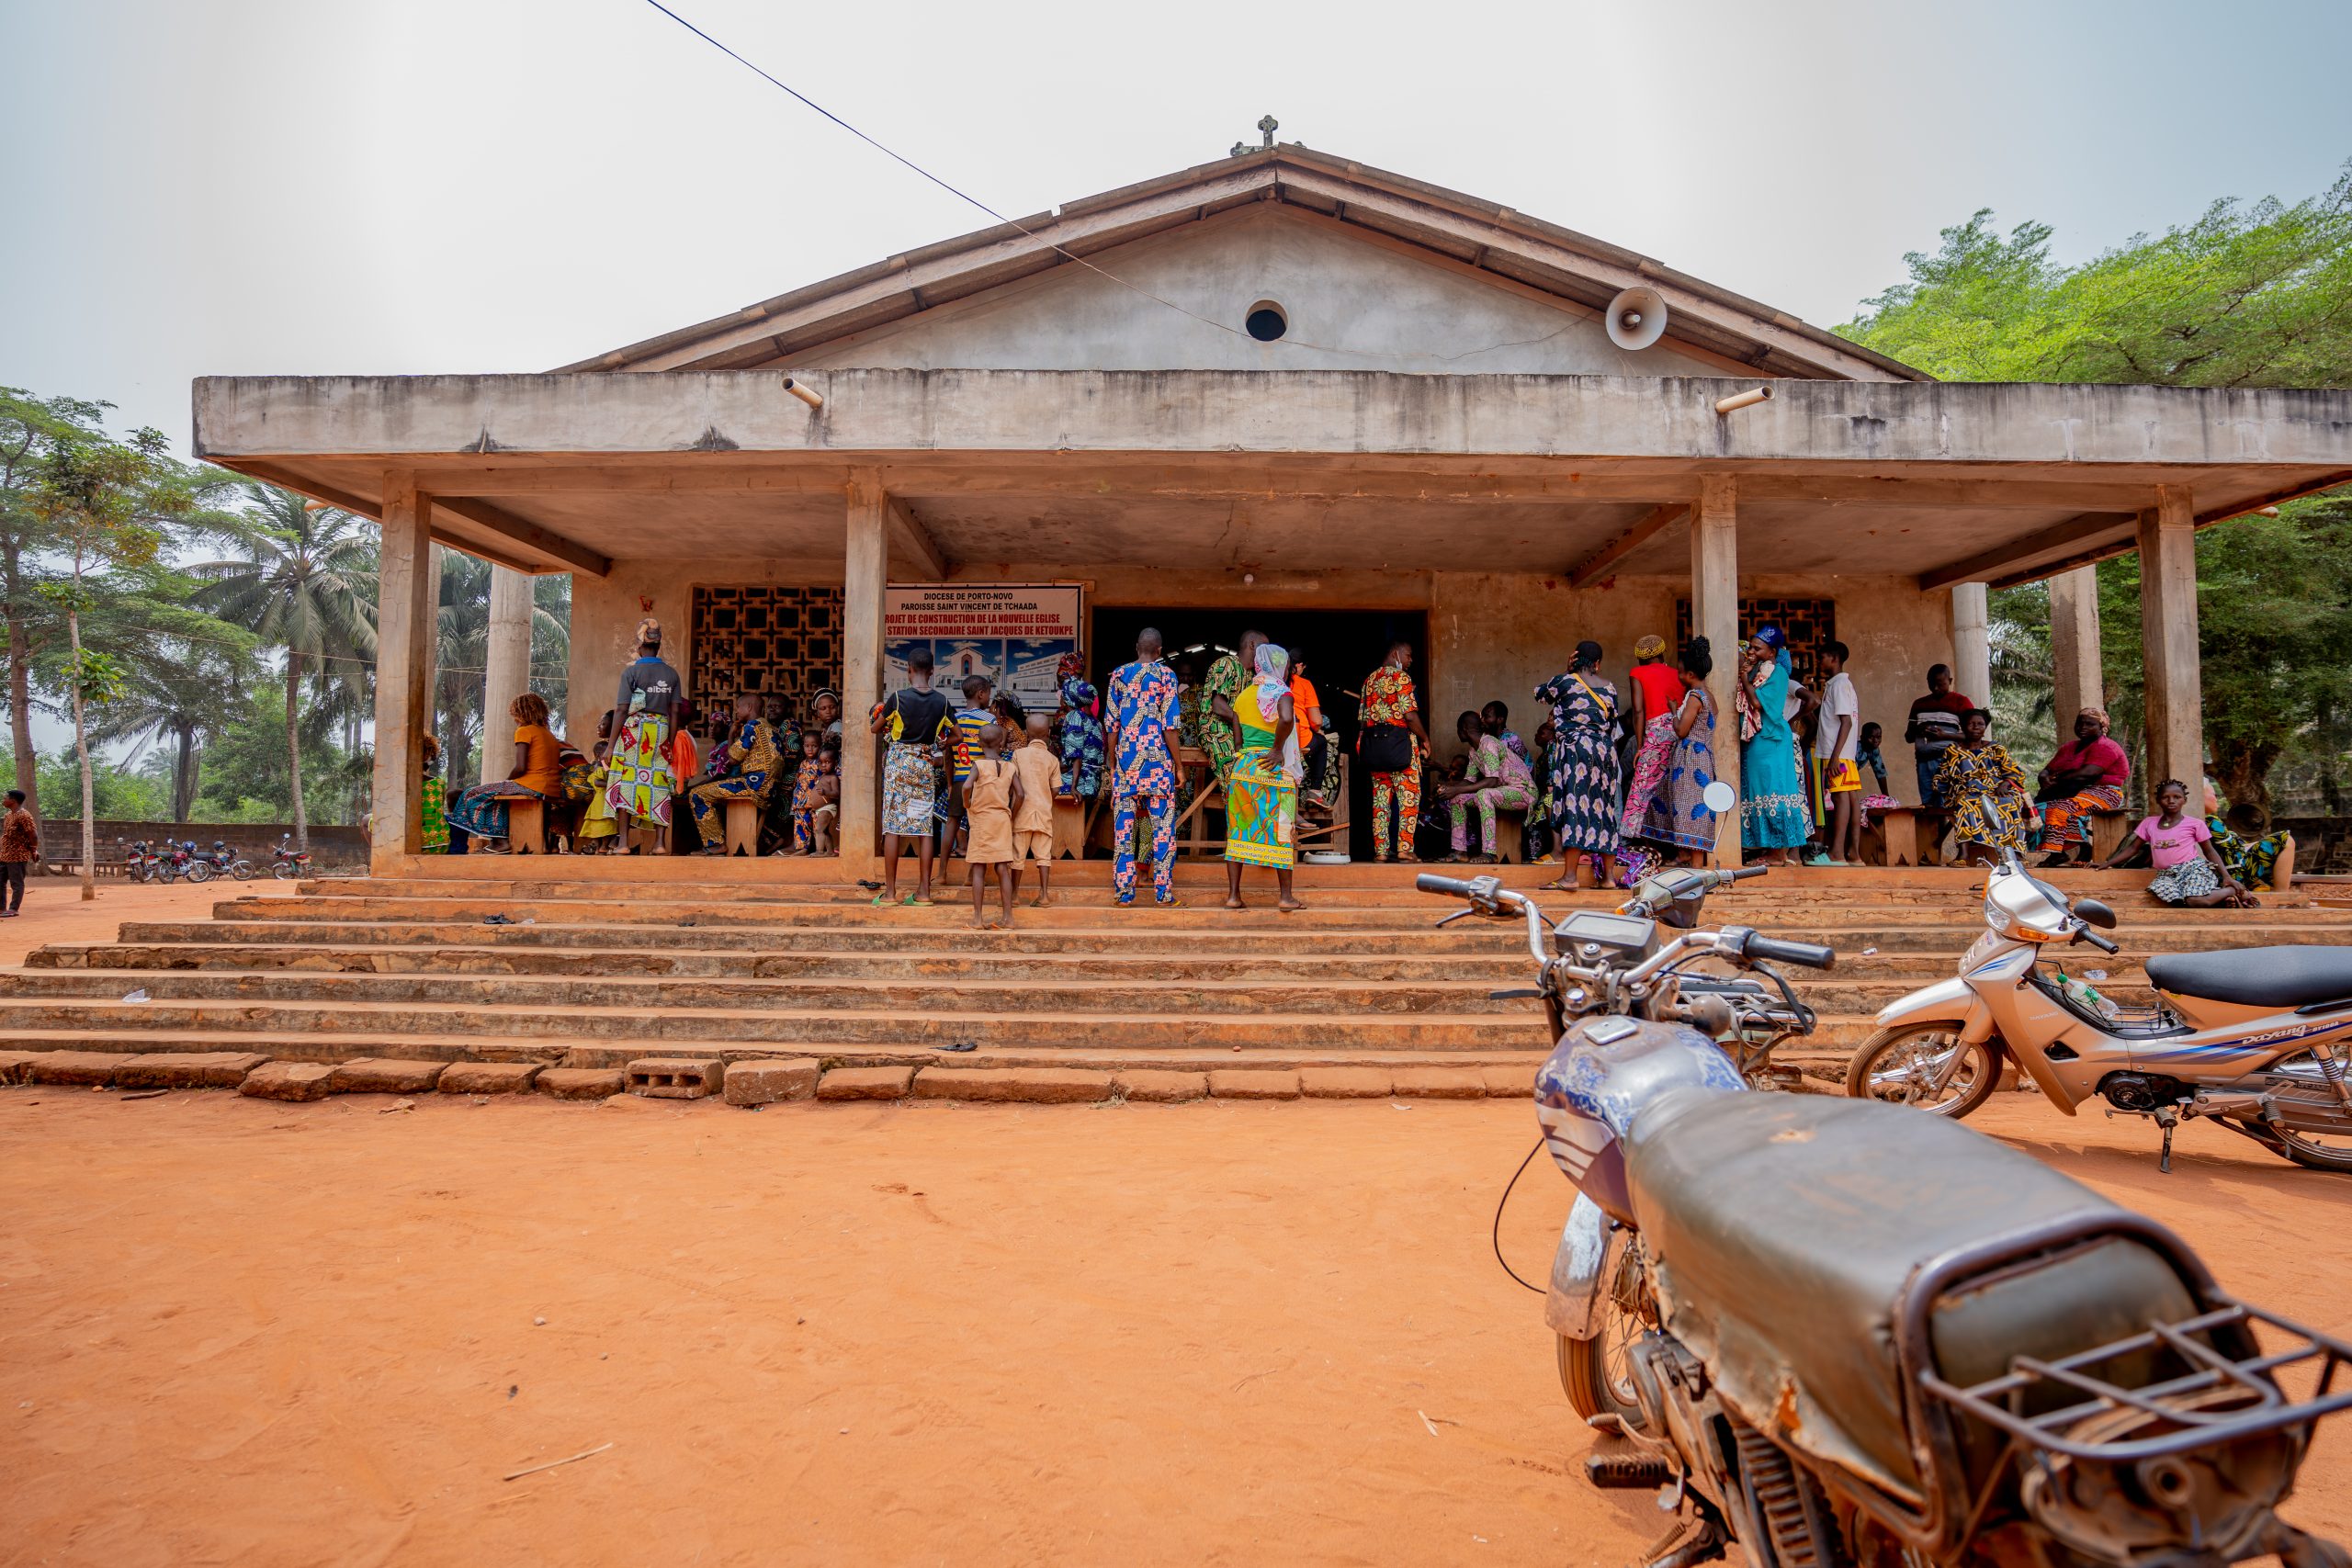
pixel 1636 318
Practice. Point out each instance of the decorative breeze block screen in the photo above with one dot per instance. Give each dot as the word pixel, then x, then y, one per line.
pixel 766 640
pixel 1809 623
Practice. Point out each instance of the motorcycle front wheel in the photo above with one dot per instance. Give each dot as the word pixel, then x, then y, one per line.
pixel 199 871
pixel 282 872
pixel 1596 1374
pixel 1901 1066
pixel 243 871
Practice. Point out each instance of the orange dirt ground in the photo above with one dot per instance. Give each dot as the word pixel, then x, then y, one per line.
pixel 240 1331
pixel 54 910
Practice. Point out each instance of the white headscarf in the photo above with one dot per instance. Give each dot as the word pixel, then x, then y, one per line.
pixel 1273 685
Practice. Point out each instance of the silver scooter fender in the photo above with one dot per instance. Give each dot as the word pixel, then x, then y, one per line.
pixel 1581 1268
pixel 1946 1001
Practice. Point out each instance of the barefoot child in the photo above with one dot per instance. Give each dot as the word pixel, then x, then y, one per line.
pixel 992 796
pixel 826 817
pixel 803 796
pixel 2189 869
pixel 598 827
pixel 1032 825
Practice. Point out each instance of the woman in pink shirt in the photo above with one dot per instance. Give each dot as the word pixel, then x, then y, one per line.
pixel 2189 870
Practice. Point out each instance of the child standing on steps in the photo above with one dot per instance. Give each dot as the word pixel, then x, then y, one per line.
pixel 992 795
pixel 1032 825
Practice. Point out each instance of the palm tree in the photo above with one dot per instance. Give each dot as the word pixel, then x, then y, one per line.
pixel 181 698
pixel 304 580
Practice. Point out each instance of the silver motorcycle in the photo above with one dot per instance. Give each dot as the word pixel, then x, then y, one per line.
pixel 1829 1332
pixel 2251 1037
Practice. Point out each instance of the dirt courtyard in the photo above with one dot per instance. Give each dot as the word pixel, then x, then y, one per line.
pixel 234 1331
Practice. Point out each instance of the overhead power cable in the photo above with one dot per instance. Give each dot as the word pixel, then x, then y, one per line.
pixel 1062 251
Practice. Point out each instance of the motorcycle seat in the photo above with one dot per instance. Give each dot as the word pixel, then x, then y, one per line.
pixel 1786 1229
pixel 2274 977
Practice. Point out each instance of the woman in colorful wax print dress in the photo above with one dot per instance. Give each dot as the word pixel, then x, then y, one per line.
pixel 1261 799
pixel 1083 752
pixel 1985 790
pixel 639 776
pixel 1774 817
pixel 916 722
pixel 1676 813
pixel 1584 766
pixel 2087 775
pixel 1391 743
pixel 432 802
pixel 1655 695
pixel 482 811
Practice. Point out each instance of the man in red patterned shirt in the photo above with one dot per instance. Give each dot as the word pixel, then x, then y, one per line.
pixel 19 841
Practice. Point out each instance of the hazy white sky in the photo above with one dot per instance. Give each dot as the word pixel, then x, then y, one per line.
pixel 194 186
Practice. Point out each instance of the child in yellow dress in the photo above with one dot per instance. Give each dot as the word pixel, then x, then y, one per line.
pixel 597 826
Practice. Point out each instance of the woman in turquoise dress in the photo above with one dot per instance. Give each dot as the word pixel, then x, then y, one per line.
pixel 1772 814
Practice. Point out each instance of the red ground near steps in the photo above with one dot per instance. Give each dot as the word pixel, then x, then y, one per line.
pixel 232 1331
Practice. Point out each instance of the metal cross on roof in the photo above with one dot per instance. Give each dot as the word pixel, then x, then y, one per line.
pixel 1267 126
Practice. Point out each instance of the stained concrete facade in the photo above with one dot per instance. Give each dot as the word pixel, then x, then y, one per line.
pixel 1444 427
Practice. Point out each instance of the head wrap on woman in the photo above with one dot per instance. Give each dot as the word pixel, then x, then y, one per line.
pixel 1274 677
pixel 1650 647
pixel 1772 637
pixel 1068 665
pixel 2096 716
pixel 649 630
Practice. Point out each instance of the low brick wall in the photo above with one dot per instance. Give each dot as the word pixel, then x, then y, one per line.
pixel 331 846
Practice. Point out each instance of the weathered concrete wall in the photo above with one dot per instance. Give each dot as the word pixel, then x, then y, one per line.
pixel 1351 303
pixel 1296 411
pixel 1493 636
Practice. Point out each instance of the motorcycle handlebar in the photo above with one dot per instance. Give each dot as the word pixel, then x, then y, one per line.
pixel 2087 934
pixel 1452 887
pixel 1806 955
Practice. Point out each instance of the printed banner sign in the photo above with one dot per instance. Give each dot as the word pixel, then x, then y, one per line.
pixel 1013 633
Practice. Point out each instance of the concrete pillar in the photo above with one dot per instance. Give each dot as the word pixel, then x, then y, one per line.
pixel 865 572
pixel 1714 614
pixel 1971 644
pixel 430 717
pixel 508 658
pixel 2176 701
pixel 405 607
pixel 2074 646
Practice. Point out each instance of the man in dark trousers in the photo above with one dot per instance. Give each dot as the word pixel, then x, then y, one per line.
pixel 19 841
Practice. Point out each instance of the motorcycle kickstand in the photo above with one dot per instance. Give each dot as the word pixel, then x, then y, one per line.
pixel 2168 1119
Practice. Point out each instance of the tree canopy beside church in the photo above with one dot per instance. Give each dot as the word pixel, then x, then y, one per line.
pixel 2247 294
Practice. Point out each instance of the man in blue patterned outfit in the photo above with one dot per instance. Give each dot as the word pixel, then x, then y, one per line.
pixel 1143 743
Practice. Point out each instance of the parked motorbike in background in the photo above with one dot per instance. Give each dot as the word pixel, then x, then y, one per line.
pixel 287 862
pixel 186 862
pixel 1827 1332
pixel 2252 1037
pixel 225 862
pixel 141 864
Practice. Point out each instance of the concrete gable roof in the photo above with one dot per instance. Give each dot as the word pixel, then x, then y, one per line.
pixel 1464 232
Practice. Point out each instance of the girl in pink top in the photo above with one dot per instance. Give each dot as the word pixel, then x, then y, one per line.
pixel 2189 870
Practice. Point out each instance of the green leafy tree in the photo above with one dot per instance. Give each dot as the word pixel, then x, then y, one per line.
pixel 105 505
pixel 181 699
pixel 2254 294
pixel 31 428
pixel 304 582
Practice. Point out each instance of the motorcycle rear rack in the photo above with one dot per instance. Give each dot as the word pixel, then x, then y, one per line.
pixel 2001 1402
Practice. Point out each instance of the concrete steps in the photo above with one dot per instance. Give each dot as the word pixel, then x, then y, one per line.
pixel 606 972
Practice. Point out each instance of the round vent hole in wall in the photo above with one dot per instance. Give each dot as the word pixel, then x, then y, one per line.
pixel 1266 321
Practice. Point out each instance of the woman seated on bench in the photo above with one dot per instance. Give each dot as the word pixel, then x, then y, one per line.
pixel 537 774
pixel 2085 777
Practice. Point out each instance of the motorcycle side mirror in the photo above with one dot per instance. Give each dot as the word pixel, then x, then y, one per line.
pixel 2091 912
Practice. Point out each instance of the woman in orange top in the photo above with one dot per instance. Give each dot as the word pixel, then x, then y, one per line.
pixel 482 811
pixel 1313 737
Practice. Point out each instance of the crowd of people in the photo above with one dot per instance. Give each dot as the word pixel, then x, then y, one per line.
pixel 651 748
pixel 1613 785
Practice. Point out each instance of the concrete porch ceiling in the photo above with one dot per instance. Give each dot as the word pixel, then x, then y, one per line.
pixel 1582 476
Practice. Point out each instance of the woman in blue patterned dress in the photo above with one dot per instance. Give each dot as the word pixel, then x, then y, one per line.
pixel 1082 753
pixel 1774 817
pixel 1676 812
pixel 1584 766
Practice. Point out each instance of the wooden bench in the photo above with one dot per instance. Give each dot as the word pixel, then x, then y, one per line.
pixel 527 827
pixel 1907 835
pixel 742 823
